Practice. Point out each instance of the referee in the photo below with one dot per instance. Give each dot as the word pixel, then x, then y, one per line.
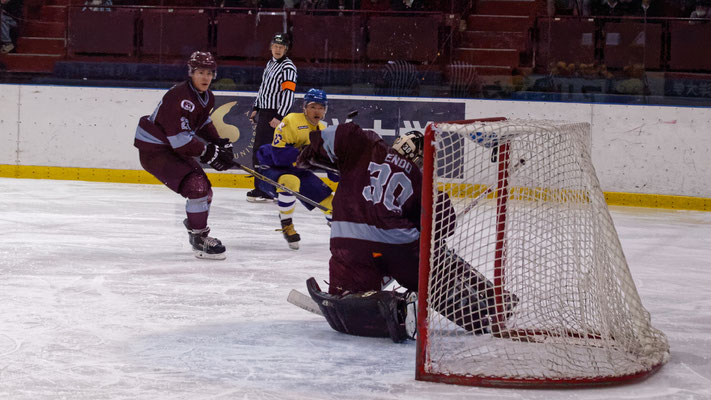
pixel 274 99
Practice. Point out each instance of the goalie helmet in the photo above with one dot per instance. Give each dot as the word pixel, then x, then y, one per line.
pixel 411 145
pixel 202 59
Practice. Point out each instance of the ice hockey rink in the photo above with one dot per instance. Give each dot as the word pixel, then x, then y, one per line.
pixel 101 298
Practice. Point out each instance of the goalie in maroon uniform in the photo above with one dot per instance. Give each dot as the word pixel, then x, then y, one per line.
pixel 375 237
pixel 179 131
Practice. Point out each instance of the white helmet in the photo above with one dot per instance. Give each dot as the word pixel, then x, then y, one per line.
pixel 411 145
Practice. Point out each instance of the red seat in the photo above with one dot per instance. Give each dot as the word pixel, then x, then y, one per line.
pixel 326 37
pixel 403 38
pixel 686 47
pixel 174 33
pixel 247 35
pixel 569 41
pixel 97 32
pixel 632 43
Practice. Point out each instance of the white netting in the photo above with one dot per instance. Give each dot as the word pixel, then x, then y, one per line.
pixel 561 304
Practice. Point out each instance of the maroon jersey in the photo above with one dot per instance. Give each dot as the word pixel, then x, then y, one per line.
pixel 182 114
pixel 378 195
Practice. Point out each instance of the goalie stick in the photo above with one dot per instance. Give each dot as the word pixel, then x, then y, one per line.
pixel 280 186
pixel 304 302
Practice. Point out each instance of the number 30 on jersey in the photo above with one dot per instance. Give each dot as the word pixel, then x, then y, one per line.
pixel 384 184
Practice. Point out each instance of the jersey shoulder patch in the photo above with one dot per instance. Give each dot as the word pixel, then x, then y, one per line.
pixel 187 105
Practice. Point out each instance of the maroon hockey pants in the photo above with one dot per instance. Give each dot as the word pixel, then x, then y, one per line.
pixel 360 266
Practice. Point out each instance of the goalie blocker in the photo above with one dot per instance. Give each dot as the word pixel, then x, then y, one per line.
pixel 373 314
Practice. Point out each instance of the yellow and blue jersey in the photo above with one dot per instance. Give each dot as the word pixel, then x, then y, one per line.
pixel 294 130
pixel 290 136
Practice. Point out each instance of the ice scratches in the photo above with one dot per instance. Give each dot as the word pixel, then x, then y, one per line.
pixel 261 394
pixel 705 381
pixel 8 345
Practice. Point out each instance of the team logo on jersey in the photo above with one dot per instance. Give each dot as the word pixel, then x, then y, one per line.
pixel 304 127
pixel 184 124
pixel 187 105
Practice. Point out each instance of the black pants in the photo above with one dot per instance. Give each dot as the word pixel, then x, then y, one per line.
pixel 264 133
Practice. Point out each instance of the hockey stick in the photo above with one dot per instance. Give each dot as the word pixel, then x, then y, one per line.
pixel 521 162
pixel 325 167
pixel 280 186
pixel 304 302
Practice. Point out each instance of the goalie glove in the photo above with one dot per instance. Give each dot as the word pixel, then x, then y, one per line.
pixel 218 155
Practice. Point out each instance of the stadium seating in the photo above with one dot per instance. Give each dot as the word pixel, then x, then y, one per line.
pixel 632 43
pixel 174 32
pixel 567 40
pixel 247 35
pixel 327 37
pixel 403 38
pixel 687 48
pixel 99 32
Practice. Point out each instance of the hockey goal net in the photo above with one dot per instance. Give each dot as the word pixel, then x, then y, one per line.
pixel 532 287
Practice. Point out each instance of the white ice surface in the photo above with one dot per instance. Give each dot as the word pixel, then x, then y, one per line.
pixel 101 298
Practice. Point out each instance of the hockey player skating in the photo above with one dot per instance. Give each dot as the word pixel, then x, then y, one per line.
pixel 168 146
pixel 375 237
pixel 277 163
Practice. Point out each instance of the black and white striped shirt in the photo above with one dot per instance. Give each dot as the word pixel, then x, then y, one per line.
pixel 278 86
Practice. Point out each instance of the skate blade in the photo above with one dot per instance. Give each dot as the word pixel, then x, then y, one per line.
pixel 258 199
pixel 206 256
pixel 294 245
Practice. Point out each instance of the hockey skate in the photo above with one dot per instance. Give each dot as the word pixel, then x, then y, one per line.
pixel 257 196
pixel 205 246
pixel 292 238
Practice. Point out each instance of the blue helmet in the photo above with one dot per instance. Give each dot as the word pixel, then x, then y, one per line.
pixel 315 96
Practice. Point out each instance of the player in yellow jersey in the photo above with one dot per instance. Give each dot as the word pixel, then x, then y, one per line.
pixel 277 160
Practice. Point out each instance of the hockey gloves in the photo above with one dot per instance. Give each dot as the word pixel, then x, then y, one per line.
pixel 218 155
pixel 305 157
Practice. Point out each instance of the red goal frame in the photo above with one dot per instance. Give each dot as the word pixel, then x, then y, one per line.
pixel 498 328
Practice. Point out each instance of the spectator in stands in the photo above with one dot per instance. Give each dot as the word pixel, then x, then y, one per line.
pixel 239 3
pixel 632 7
pixel 271 3
pixel 412 5
pixel 344 4
pixel 582 8
pixel 608 8
pixel 701 11
pixel 9 17
pixel 634 81
pixel 313 4
pixel 97 5
pixel 617 8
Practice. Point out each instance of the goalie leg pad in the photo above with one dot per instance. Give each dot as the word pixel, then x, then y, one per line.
pixel 372 314
pixel 471 302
